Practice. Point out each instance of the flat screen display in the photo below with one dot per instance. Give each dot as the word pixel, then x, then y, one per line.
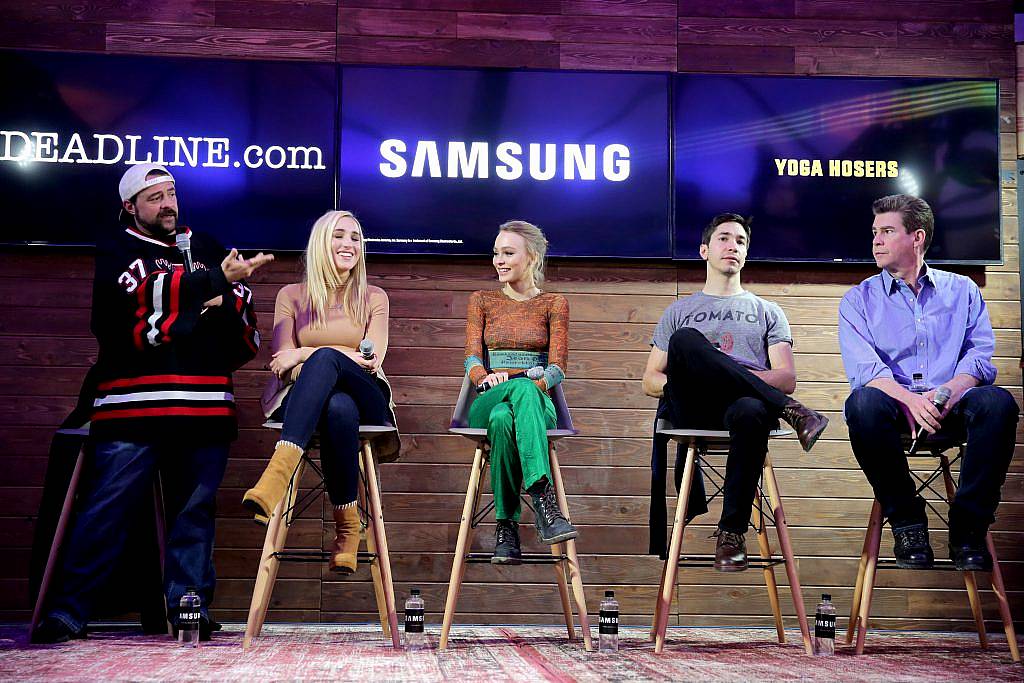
pixel 251 144
pixel 808 156
pixel 434 160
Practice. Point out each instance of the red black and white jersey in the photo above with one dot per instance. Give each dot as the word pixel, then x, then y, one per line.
pixel 165 359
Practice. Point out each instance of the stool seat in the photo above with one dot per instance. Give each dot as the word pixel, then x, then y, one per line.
pixel 481 434
pixel 365 431
pixel 284 513
pixel 935 446
pixel 563 555
pixel 698 442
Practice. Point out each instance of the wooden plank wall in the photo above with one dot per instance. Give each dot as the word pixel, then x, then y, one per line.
pixel 44 300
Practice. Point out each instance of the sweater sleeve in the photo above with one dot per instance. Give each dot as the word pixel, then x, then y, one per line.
pixel 285 334
pixel 377 325
pixel 558 342
pixel 474 363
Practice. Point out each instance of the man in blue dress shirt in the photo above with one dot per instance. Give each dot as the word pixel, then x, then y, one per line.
pixel 904 333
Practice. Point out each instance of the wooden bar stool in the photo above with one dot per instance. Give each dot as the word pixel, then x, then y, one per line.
pixel 65 519
pixel 768 508
pixel 289 509
pixel 935 446
pixel 563 556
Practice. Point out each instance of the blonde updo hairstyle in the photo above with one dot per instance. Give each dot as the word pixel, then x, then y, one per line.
pixel 323 278
pixel 536 246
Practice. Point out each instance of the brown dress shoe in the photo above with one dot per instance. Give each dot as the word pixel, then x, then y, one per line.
pixel 809 424
pixel 731 552
pixel 344 552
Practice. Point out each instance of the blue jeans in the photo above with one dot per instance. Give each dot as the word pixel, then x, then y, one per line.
pixel 119 478
pixel 335 395
pixel 986 415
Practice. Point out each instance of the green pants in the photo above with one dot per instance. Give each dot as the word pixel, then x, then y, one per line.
pixel 516 415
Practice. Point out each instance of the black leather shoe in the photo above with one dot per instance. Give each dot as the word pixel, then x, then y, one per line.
pixel 552 526
pixel 50 631
pixel 506 543
pixel 730 552
pixel 809 424
pixel 912 548
pixel 969 551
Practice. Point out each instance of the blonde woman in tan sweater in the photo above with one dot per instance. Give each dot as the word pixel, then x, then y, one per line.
pixel 321 380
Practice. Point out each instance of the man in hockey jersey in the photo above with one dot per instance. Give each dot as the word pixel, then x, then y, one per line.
pixel 170 334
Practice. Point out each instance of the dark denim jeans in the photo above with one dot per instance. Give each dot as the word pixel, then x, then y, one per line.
pixel 335 395
pixel 707 389
pixel 986 415
pixel 118 479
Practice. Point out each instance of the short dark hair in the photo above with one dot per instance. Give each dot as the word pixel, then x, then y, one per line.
pixel 916 213
pixel 709 230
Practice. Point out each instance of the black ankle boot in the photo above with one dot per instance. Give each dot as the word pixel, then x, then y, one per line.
pixel 912 549
pixel 506 543
pixel 552 526
pixel 968 550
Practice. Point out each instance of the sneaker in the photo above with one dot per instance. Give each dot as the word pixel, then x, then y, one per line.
pixel 552 526
pixel 506 543
pixel 809 424
pixel 912 548
pixel 730 551
pixel 51 630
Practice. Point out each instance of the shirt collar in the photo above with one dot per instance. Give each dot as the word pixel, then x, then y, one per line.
pixel 891 284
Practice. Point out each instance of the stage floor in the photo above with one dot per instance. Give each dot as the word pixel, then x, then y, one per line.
pixel 491 654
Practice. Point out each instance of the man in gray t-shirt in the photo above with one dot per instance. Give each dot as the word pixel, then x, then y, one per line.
pixel 722 358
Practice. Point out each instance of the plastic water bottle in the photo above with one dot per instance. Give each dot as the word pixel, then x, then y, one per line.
pixel 414 636
pixel 609 623
pixel 188 618
pixel 825 627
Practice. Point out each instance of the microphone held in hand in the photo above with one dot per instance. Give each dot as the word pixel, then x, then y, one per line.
pixel 185 247
pixel 939 400
pixel 534 373
pixel 366 349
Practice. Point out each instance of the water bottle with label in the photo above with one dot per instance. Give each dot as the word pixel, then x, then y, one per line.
pixel 609 623
pixel 189 617
pixel 415 639
pixel 825 627
pixel 917 384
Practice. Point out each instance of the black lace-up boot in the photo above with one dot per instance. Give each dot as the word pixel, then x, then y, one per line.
pixel 552 526
pixel 506 543
pixel 912 549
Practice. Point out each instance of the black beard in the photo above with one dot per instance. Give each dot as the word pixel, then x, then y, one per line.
pixel 157 228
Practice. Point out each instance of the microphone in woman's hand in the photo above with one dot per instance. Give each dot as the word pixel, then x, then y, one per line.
pixel 535 372
pixel 366 349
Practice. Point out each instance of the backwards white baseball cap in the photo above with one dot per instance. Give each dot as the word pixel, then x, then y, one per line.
pixel 134 181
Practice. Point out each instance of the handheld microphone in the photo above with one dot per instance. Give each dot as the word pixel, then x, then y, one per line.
pixel 366 349
pixel 939 400
pixel 185 247
pixel 535 372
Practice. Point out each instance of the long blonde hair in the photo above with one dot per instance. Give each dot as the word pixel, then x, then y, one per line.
pixel 536 245
pixel 322 277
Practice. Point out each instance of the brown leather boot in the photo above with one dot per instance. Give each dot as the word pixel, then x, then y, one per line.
pixel 809 424
pixel 346 543
pixel 270 489
pixel 730 552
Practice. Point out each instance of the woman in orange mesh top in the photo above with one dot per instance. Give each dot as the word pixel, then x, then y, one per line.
pixel 508 331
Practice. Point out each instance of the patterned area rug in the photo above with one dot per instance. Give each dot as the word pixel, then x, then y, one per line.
pixel 492 654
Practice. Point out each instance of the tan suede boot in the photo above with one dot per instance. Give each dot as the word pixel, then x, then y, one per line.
pixel 346 545
pixel 270 489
